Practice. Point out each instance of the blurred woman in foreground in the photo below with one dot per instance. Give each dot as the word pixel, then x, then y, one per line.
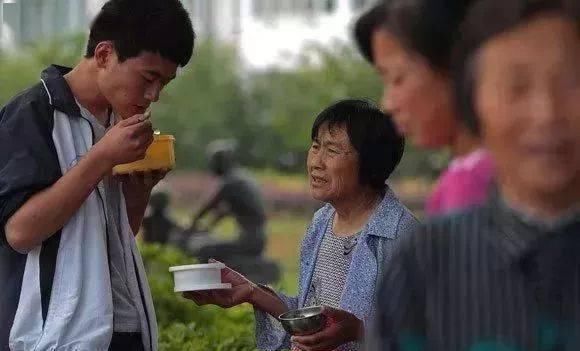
pixel 409 43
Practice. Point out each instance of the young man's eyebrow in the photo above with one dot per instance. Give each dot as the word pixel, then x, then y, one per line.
pixel 158 75
pixel 153 73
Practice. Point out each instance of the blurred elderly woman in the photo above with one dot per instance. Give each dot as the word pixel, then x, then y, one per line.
pixel 355 148
pixel 504 276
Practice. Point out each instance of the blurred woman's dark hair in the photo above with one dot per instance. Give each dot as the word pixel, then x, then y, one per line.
pixel 427 27
pixel 364 28
pixel 485 20
pixel 372 134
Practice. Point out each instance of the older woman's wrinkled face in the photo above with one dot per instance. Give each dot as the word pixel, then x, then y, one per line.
pixel 420 99
pixel 333 165
pixel 527 97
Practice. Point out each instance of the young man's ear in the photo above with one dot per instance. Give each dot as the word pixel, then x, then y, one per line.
pixel 104 54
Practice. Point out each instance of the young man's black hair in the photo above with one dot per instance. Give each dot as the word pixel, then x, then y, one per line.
pixel 135 26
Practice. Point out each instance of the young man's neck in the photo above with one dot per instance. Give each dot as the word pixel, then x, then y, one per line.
pixel 82 82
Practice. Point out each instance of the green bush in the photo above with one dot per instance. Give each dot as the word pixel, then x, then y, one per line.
pixel 184 326
pixel 19 71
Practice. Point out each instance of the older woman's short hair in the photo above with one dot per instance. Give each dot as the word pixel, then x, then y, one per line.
pixel 485 20
pixel 372 134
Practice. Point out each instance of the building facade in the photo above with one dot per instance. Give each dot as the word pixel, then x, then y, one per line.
pixel 265 32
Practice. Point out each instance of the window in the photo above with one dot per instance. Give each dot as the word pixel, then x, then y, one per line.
pixel 62 18
pixel 330 6
pixel 274 8
pixel 259 8
pixel 31 21
pixel 201 13
pixel 300 7
pixel 360 4
pixel 188 5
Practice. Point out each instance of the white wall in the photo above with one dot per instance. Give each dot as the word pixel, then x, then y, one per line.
pixel 34 20
pixel 10 24
pixel 279 40
pixel 1 19
pixel 274 39
pixel 92 8
pixel 216 19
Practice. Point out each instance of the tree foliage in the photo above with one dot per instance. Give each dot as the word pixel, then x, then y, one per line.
pixel 269 113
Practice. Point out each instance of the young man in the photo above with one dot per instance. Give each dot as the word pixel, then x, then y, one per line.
pixel 72 278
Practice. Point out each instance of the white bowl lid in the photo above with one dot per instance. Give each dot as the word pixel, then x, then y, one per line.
pixel 197 266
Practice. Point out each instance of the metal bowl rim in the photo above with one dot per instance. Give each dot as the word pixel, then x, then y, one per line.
pixel 316 308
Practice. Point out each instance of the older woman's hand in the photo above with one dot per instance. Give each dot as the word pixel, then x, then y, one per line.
pixel 240 292
pixel 341 327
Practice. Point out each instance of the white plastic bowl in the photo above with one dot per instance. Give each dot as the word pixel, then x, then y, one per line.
pixel 198 277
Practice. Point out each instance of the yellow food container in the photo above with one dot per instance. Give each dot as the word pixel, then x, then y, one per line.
pixel 159 155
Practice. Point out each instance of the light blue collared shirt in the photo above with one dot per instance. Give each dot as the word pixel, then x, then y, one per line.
pixel 378 240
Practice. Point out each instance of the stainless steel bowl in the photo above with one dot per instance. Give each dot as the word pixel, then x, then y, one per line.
pixel 303 321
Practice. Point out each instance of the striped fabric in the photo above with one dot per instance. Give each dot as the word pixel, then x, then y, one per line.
pixel 330 272
pixel 482 280
pixel 331 269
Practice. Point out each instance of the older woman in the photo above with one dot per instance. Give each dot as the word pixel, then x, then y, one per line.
pixel 348 245
pixel 504 276
pixel 412 52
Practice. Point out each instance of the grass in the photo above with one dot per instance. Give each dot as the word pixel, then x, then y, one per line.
pixel 285 236
pixel 289 182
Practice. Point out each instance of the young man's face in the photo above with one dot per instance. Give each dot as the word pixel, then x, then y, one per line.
pixel 132 85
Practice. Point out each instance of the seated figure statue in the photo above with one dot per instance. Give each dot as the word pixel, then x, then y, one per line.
pixel 157 226
pixel 239 196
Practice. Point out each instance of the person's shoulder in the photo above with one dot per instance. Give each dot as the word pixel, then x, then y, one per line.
pixel 319 220
pixel 462 214
pixel 408 222
pixel 323 212
pixel 452 229
pixel 32 104
pixel 391 203
pixel 237 177
pixel 316 228
pixel 35 94
pixel 407 216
